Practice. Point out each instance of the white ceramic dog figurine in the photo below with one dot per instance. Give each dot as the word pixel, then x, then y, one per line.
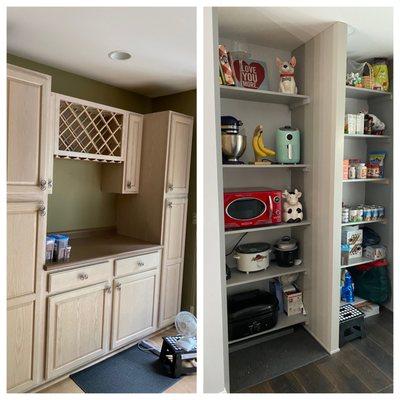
pixel 286 71
pixel 292 208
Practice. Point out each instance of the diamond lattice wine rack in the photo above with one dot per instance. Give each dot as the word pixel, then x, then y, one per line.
pixel 89 131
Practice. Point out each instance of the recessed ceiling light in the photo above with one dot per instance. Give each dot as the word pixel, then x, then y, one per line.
pixel 119 55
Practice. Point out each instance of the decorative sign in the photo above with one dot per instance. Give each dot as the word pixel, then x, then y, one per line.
pixel 250 74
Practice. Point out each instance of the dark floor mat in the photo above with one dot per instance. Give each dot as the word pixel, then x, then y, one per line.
pixel 272 358
pixel 131 371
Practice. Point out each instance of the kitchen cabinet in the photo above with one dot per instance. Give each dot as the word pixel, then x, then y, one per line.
pixel 135 307
pixel 26 227
pixel 124 178
pixel 78 328
pixel 28 102
pixel 180 145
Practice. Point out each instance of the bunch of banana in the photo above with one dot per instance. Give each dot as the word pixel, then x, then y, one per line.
pixel 260 151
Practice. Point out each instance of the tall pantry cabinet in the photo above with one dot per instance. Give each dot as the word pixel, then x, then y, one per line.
pixel 158 212
pixel 28 98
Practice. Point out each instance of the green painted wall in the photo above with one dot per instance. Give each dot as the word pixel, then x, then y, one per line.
pixel 100 210
pixel 185 103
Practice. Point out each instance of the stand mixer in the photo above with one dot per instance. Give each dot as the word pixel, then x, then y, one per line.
pixel 233 142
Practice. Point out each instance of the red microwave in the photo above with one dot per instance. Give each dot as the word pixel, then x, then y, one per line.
pixel 252 207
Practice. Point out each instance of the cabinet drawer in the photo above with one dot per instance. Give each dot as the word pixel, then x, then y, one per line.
pixel 132 265
pixel 80 277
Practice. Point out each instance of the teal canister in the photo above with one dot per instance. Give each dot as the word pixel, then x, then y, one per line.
pixel 287 143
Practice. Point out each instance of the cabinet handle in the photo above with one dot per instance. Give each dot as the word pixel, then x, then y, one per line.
pixel 49 183
pixel 140 263
pixel 108 289
pixel 170 187
pixel 129 184
pixel 83 276
pixel 43 184
pixel 118 285
pixel 170 204
pixel 42 209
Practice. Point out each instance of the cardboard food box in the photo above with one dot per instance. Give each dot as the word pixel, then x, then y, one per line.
pixel 353 236
pixel 350 123
pixel 293 302
pixel 346 165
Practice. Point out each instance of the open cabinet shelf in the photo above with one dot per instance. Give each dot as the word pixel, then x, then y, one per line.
pixel 266 166
pixel 263 96
pixel 358 261
pixel 368 180
pixel 378 221
pixel 376 137
pixel 282 225
pixel 283 322
pixel 366 94
pixel 273 271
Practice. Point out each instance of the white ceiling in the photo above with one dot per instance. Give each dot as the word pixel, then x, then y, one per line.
pixel 288 27
pixel 162 41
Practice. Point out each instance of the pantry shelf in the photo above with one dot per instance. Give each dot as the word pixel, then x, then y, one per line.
pixel 366 94
pixel 267 166
pixel 263 96
pixel 379 221
pixel 282 225
pixel 358 261
pixel 273 271
pixel 348 136
pixel 283 322
pixel 368 180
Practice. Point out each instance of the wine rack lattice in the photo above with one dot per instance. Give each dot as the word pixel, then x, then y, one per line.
pixel 89 132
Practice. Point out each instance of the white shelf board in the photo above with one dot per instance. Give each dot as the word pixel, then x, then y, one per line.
pixel 346 135
pixel 362 93
pixel 378 221
pixel 266 166
pixel 357 261
pixel 273 271
pixel 368 180
pixel 262 96
pixel 282 225
pixel 283 322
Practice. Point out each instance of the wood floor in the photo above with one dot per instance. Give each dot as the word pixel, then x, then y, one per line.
pixel 187 384
pixel 361 366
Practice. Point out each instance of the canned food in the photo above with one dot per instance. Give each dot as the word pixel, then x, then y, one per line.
pixel 353 215
pixel 374 211
pixel 360 214
pixel 381 212
pixel 345 215
pixel 367 213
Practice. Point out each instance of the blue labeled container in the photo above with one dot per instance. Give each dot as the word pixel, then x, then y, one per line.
pixel 60 245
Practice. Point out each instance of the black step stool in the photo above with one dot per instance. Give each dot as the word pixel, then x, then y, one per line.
pixel 172 356
pixel 351 324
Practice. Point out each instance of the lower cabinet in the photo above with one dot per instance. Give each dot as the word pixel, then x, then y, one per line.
pixel 171 284
pixel 135 307
pixel 78 328
pixel 21 348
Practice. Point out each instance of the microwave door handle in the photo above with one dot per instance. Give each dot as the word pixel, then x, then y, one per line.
pixel 270 208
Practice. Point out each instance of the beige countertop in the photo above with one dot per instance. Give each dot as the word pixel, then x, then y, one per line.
pixel 86 250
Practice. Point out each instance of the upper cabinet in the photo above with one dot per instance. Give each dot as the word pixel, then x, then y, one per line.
pixel 117 178
pixel 178 170
pixel 28 101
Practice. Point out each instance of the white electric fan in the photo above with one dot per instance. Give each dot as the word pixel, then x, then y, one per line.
pixel 186 325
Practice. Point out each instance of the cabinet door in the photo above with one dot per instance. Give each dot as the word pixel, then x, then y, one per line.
pixel 22 368
pixel 174 229
pixel 133 153
pixel 171 287
pixel 78 328
pixel 28 101
pixel 26 229
pixel 135 307
pixel 180 145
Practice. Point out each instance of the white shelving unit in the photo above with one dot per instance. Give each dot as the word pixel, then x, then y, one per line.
pixel 368 180
pixel 378 221
pixel 282 225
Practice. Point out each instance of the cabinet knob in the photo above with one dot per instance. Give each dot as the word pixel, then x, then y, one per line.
pixel 42 209
pixel 140 263
pixel 49 183
pixel 83 276
pixel 170 187
pixel 43 184
pixel 118 285
pixel 129 184
pixel 170 204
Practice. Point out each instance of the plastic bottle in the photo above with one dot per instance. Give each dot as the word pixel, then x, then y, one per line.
pixel 347 294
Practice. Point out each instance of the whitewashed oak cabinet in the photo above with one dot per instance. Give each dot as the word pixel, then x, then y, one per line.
pixel 60 321
pixel 162 201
